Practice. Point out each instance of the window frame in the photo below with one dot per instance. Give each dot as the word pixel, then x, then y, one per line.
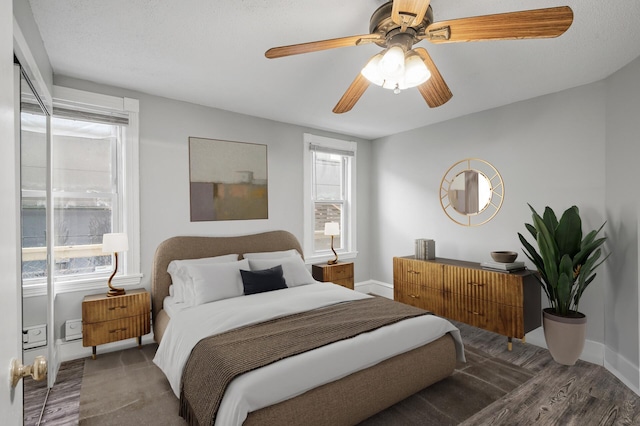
pixel 127 216
pixel 347 225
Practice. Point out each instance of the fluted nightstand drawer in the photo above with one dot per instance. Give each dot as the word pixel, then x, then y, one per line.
pixel 99 307
pixel 115 330
pixel 339 273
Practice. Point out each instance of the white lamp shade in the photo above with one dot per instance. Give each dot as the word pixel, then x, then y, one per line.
pixel 112 243
pixel 416 72
pixel 332 228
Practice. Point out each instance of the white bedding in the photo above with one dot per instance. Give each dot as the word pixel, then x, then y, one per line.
pixel 255 390
pixel 171 306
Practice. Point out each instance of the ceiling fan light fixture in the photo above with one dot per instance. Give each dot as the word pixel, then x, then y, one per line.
pixel 371 71
pixel 392 62
pixel 415 70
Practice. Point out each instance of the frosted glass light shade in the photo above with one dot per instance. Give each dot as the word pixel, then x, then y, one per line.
pixel 415 71
pixel 371 71
pixel 115 242
pixel 396 71
pixel 332 228
pixel 392 62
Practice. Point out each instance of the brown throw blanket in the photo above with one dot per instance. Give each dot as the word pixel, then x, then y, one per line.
pixel 215 361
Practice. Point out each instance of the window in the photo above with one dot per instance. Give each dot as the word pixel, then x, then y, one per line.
pixel 94 191
pixel 329 167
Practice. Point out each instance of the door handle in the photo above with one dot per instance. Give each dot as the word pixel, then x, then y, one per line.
pixel 38 370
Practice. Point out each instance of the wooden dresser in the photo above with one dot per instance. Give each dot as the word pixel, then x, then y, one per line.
pixel 339 273
pixel 109 319
pixel 501 302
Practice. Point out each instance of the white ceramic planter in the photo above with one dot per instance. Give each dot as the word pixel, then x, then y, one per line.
pixel 565 336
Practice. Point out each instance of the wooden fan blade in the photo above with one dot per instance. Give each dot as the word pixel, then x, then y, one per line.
pixel 314 46
pixel 352 95
pixel 409 13
pixel 538 23
pixel 435 91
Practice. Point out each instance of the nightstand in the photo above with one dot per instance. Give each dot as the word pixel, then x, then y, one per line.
pixel 340 273
pixel 110 319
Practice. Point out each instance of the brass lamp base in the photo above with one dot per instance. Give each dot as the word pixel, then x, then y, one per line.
pixel 113 291
pixel 333 261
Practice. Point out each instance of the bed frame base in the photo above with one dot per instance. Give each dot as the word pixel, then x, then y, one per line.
pixel 367 392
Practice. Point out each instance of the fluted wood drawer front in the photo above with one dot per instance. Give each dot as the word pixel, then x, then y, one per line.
pixel 495 317
pixel 417 272
pixel 419 296
pixel 101 308
pixel 338 272
pixel 111 331
pixel 496 287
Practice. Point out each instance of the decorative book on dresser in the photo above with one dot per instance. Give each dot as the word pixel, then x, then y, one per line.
pixel 506 303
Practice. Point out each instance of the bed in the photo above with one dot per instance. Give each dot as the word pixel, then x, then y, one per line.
pixel 346 396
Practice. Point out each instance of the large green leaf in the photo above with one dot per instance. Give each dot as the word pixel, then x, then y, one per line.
pixel 548 251
pixel 564 294
pixel 568 234
pixel 531 252
pixel 566 283
pixel 587 250
pixel 532 230
pixel 550 219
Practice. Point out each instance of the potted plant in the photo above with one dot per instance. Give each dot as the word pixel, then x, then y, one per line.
pixel 566 263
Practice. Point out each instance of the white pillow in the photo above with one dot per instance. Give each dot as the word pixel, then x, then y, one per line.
pixel 217 281
pixel 183 290
pixel 272 254
pixel 294 270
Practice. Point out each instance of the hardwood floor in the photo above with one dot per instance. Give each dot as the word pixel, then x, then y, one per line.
pixel 63 402
pixel 584 394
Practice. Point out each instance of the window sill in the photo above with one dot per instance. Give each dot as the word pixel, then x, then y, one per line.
pixel 325 257
pixel 81 285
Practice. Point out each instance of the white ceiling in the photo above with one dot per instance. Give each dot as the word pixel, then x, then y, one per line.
pixel 211 52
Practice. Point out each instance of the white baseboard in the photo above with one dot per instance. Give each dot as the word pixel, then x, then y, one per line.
pixel 593 352
pixel 623 369
pixel 68 351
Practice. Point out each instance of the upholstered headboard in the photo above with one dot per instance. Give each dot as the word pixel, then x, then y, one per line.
pixel 196 247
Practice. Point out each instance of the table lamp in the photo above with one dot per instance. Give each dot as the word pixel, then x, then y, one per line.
pixel 332 229
pixel 113 243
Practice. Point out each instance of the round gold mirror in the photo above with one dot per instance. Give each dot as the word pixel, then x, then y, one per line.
pixel 471 192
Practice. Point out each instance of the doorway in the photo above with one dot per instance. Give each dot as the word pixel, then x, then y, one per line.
pixel 35 156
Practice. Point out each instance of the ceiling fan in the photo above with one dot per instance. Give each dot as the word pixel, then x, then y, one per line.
pixel 399 24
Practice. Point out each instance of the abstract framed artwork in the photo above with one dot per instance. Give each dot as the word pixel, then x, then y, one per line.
pixel 228 180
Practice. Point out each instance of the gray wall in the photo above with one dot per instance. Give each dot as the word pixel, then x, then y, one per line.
pixel 165 126
pixel 579 146
pixel 622 202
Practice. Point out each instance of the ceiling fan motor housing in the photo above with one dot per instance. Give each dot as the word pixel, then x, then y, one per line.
pixel 381 23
